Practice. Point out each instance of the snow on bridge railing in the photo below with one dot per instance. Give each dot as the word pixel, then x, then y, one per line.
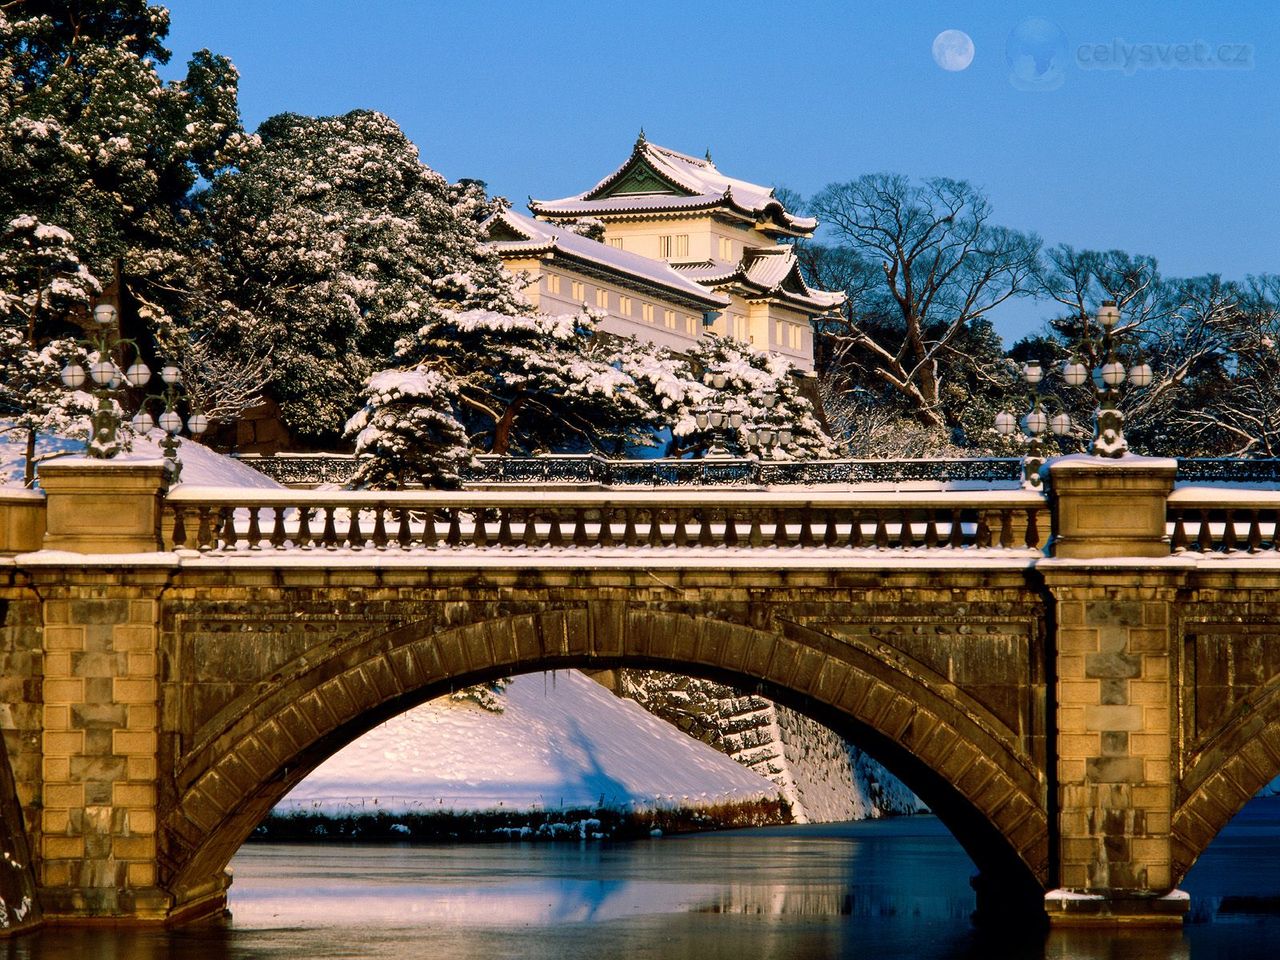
pixel 1222 519
pixel 224 520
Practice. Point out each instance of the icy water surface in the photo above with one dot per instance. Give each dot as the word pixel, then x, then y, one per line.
pixel 885 889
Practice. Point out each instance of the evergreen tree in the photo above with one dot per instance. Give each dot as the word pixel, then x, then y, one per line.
pixel 96 144
pixel 42 282
pixel 98 160
pixel 483 381
pixel 760 395
pixel 332 241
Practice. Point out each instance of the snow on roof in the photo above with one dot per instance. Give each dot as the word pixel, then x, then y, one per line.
pixel 541 238
pixel 769 270
pixel 698 179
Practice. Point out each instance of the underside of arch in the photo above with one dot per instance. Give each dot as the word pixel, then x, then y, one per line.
pixel 958 758
pixel 1225 774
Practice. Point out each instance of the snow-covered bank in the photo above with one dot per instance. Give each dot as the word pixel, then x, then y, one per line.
pixel 562 741
pixel 200 465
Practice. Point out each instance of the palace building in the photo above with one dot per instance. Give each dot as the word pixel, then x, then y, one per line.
pixel 640 297
pixel 686 249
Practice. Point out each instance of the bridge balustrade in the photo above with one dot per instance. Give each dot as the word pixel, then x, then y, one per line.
pixel 1220 520
pixel 210 520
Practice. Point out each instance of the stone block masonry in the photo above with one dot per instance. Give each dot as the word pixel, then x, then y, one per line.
pixel 1085 723
pixel 98 824
pixel 1115 737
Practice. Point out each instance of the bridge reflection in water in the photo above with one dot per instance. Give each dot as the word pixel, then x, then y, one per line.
pixel 871 889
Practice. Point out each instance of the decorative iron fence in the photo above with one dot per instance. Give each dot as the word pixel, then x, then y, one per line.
pixel 310 470
pixel 218 520
pixel 1225 470
pixel 589 470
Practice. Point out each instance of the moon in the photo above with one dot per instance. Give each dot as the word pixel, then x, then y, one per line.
pixel 953 50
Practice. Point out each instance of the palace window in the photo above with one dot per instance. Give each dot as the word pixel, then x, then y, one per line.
pixel 577 291
pixel 676 245
pixel 691 326
pixel 669 319
pixel 646 312
pixel 624 306
pixel 602 298
pixel 726 249
pixel 615 242
pixel 553 283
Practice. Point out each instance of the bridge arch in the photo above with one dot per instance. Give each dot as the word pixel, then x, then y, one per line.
pixel 1225 773
pixel 953 752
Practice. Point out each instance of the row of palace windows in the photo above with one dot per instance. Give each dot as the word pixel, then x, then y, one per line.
pixel 672 320
pixel 788 335
pixel 674 246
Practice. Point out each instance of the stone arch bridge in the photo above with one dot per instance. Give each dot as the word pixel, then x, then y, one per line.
pixel 1084 686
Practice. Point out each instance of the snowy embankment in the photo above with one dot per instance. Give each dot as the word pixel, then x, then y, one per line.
pixel 200 465
pixel 561 742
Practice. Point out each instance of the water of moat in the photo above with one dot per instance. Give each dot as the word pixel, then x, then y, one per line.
pixel 896 888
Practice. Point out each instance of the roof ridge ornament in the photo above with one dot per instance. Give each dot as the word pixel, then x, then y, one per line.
pixel 640 140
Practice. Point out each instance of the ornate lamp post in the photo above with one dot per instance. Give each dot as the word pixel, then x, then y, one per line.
pixel 1108 433
pixel 1034 424
pixel 764 438
pixel 107 377
pixel 1107 378
pixel 761 438
pixel 718 421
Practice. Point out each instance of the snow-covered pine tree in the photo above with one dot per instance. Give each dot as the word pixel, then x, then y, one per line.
pixel 407 432
pixel 750 376
pixel 42 283
pixel 94 142
pixel 98 160
pixel 335 241
pixel 497 382
pixel 671 386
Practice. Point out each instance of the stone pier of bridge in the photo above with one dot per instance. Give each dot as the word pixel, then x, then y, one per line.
pixel 1085 712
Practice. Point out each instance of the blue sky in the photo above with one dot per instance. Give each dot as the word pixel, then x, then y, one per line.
pixel 1171 157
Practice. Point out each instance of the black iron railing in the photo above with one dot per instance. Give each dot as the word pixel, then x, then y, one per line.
pixel 591 470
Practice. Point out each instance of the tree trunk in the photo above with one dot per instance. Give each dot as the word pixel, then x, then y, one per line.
pixel 29 469
pixel 502 429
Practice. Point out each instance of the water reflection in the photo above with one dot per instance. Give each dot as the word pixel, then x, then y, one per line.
pixel 889 889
